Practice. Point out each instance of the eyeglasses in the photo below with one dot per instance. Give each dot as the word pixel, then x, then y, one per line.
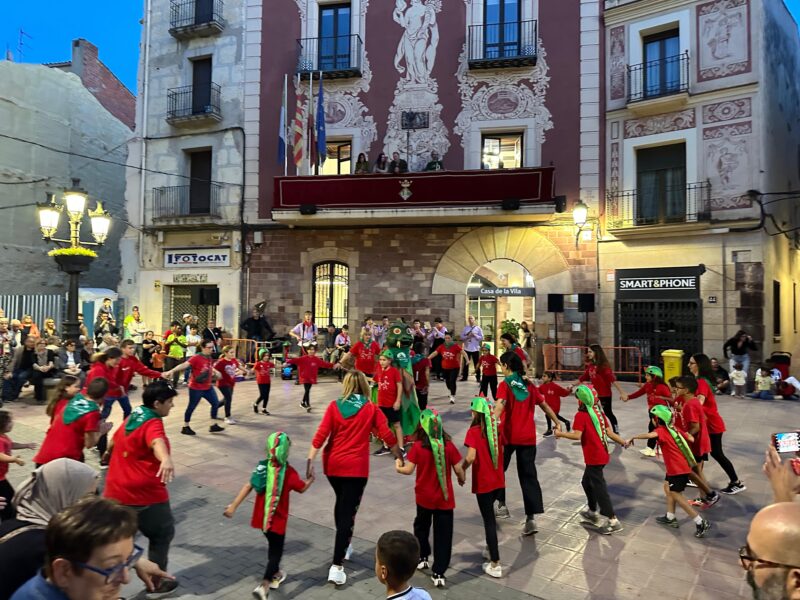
pixel 748 560
pixel 679 388
pixel 115 574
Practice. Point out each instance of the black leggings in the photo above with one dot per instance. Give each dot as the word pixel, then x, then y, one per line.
pixel 528 479
pixel 7 492
pixel 307 394
pixel 606 403
pixel 274 552
pixel 263 394
pixel 594 484
pixel 227 396
pixel 651 443
pixel 442 536
pixel 349 491
pixel 489 382
pixel 560 418
pixel 422 400
pixel 486 506
pixel 719 456
pixel 450 379
pixel 472 357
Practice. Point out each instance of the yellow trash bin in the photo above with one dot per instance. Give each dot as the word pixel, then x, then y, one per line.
pixel 673 363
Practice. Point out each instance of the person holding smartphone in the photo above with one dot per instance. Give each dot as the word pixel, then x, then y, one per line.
pixel 783 476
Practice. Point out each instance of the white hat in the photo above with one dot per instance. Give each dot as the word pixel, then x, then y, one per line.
pixel 186 315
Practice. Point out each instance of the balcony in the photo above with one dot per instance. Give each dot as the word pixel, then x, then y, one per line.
pixel 442 197
pixel 190 106
pixel 502 45
pixel 659 85
pixel 181 205
pixel 669 207
pixel 195 18
pixel 337 57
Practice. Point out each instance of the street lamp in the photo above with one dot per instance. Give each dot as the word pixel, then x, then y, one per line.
pixel 73 257
pixel 580 215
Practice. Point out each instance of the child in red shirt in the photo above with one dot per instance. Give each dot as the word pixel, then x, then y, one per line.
pixel 263 369
pixel 6 458
pixel 67 387
pixel 593 430
pixel 487 363
pixel 366 354
pixel 553 393
pixel 452 355
pixel 272 479
pixel 229 368
pixel 657 392
pixel 598 371
pixel 436 456
pixel 485 454
pixel 308 367
pixel 390 390
pixel 678 461
pixel 421 369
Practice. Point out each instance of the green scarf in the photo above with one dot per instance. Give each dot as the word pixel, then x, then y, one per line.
pixel 665 414
pixel 431 424
pixel 588 396
pixel 268 476
pixel 517 386
pixel 139 416
pixel 452 342
pixel 416 358
pixel 77 407
pixel 351 405
pixel 481 405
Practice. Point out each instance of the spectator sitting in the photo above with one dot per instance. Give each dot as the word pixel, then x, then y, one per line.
pixel 382 164
pixel 29 327
pixel 19 370
pixel 330 352
pixel 86 353
pixel 69 362
pixel 763 385
pixel 82 326
pixel 398 165
pixel 53 344
pixel 43 367
pixel 723 381
pixel 435 163
pixel 103 327
pixel 362 165
pixel 108 341
pixel 739 380
pixel 49 329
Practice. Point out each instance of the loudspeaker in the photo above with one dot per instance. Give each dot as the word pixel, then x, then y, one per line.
pixel 308 209
pixel 197 296
pixel 210 296
pixel 510 204
pixel 585 303
pixel 561 203
pixel 555 303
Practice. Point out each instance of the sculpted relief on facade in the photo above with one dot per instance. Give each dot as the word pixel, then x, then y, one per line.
pixel 723 39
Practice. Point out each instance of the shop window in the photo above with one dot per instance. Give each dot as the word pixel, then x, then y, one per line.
pixel 502 150
pixel 661 184
pixel 337 158
pixel 776 308
pixel 330 287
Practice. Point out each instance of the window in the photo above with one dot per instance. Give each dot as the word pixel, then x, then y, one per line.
pixel 661 184
pixel 203 11
pixel 199 184
pixel 330 289
pixel 776 308
pixel 662 68
pixel 502 28
pixel 201 86
pixel 337 159
pixel 334 37
pixel 502 151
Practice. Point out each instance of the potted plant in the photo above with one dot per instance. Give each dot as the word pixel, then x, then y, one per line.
pixel 73 260
pixel 510 326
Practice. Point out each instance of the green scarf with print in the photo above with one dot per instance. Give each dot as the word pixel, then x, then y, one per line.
pixel 517 386
pixel 269 475
pixel 588 397
pixel 77 407
pixel 351 405
pixel 665 414
pixel 139 416
pixel 431 424
pixel 481 405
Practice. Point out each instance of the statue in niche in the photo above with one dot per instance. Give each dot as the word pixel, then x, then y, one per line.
pixel 417 46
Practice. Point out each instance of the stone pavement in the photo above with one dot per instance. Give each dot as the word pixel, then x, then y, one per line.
pixel 219 558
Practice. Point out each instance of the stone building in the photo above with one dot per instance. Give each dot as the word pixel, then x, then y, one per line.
pixel 702 133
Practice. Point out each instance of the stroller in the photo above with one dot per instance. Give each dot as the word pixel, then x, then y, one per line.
pixel 782 361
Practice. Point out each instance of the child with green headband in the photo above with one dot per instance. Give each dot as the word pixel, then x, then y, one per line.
pixel 263 370
pixel 657 392
pixel 433 456
pixel 272 479
pixel 678 460
pixel 593 430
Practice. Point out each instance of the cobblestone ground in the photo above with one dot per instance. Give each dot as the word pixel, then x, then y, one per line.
pixel 218 558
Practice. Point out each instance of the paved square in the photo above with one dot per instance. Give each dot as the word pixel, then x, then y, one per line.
pixel 218 558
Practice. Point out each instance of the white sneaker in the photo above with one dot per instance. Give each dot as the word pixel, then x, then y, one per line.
pixel 423 564
pixel 260 593
pixel 276 582
pixel 452 399
pixel 492 570
pixel 230 421
pixel 336 575
pixel 648 452
pixel 349 552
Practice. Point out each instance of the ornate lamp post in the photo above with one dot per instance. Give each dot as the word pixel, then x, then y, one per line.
pixel 73 257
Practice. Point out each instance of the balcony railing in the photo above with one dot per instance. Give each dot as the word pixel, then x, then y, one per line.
pixel 336 57
pixel 658 78
pixel 498 45
pixel 192 103
pixel 196 200
pixel 661 206
pixel 195 18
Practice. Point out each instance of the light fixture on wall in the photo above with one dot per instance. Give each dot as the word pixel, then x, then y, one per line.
pixel 580 216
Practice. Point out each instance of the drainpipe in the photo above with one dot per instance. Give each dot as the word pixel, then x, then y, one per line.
pixel 144 116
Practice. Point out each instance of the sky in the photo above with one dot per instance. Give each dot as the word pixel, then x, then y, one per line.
pixel 111 25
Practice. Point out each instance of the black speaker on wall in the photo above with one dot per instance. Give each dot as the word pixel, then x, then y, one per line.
pixel 555 303
pixel 197 296
pixel 585 303
pixel 210 296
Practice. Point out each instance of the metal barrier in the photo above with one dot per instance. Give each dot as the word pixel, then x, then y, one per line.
pixel 570 361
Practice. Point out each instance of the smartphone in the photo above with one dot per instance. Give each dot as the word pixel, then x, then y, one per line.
pixel 786 442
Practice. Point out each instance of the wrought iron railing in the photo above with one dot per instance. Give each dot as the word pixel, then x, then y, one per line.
pixel 187 200
pixel 339 54
pixel 658 78
pixel 659 206
pixel 188 13
pixel 194 101
pixel 497 42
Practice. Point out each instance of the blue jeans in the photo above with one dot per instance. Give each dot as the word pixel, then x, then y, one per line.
pixel 108 404
pixel 194 399
pixel 186 374
pixel 12 387
pixel 765 395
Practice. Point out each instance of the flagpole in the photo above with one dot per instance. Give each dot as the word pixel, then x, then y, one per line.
pixel 285 124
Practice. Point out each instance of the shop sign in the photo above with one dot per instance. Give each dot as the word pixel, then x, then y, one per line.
pixel 190 278
pixel 177 258
pixel 521 292
pixel 659 283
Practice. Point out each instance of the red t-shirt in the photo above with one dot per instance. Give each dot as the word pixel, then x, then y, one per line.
pixel 100 369
pixel 227 368
pixel 451 357
pixel 366 356
pixel 5 448
pixel 714 419
pixel 518 425
pixel 601 378
pixel 488 364
pixel 553 393
pixel 66 441
pixel 692 412
pixel 130 365
pixel 387 380
pixel 427 490
pixel 653 392
pixel 420 369
pixel 485 476
pixel 291 483
pixel 202 372
pixel 674 460
pixel 521 353
pixel 594 451
pixel 308 367
pixel 263 371
pixel 132 472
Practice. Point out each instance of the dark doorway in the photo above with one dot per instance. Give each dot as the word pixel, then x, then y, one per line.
pixel 201 86
pixel 200 183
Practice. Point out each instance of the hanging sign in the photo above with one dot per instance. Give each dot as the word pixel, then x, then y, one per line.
pixel 177 258
pixel 521 292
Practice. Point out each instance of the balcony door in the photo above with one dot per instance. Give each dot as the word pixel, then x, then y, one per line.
pixel 661 184
pixel 502 150
pixel 338 158
pixel 200 183
pixel 203 11
pixel 201 86
pixel 501 36
pixel 662 68
pixel 334 37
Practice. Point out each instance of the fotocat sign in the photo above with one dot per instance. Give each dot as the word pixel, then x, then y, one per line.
pixel 176 258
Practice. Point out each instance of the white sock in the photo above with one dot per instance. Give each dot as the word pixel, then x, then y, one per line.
pixel 698 520
pixel 670 516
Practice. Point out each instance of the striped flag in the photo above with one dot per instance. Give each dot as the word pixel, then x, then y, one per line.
pixel 322 149
pixel 299 128
pixel 282 128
